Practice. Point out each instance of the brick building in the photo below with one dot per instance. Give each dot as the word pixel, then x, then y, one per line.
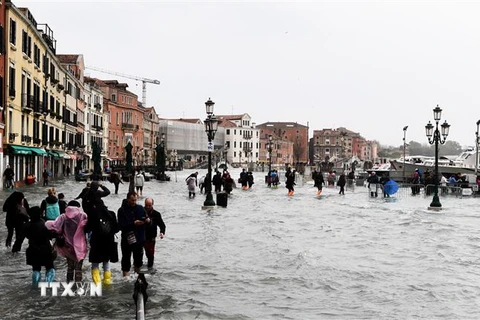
pixel 340 144
pixel 125 121
pixel 296 152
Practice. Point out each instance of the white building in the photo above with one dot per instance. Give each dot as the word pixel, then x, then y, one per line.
pixel 242 138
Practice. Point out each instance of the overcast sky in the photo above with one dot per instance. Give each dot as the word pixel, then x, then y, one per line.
pixel 372 67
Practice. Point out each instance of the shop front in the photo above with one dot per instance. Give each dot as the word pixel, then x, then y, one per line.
pixel 27 162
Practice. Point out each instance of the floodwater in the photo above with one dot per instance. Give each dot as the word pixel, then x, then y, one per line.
pixel 270 256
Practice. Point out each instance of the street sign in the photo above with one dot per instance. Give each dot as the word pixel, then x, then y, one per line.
pixel 210 146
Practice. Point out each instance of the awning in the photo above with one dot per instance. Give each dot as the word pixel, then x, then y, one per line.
pixel 20 149
pixel 39 151
pixel 54 154
pixel 27 150
pixel 61 154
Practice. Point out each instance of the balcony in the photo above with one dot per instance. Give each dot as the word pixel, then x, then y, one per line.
pixel 98 128
pixel 11 93
pixel 60 87
pixel 11 137
pixel 37 141
pixel 28 103
pixel 128 126
pixel 97 106
pixel 26 139
pixel 38 108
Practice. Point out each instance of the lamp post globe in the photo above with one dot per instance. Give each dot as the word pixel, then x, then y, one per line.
pixel 211 126
pixel 435 137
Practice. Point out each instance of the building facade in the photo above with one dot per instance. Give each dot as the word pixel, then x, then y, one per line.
pixel 242 138
pixel 186 141
pixel 283 132
pixel 125 117
pixel 341 144
pixel 34 115
pixel 95 128
pixel 3 52
pixel 150 136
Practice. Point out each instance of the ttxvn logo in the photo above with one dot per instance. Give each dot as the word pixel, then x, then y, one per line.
pixel 72 289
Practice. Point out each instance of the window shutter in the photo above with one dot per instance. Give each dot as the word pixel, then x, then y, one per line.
pixel 2 40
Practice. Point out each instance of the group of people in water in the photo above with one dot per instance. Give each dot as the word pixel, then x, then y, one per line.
pixel 74 230
pixel 219 181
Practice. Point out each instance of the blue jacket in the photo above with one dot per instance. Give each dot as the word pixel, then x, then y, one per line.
pixel 126 221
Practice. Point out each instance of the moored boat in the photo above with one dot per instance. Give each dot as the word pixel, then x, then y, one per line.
pixel 447 166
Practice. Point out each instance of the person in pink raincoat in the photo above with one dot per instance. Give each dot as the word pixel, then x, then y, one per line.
pixel 71 227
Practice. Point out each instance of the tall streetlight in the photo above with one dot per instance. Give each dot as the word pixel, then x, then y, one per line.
pixel 477 142
pixel 160 159
pixel 404 149
pixel 211 126
pixel 434 137
pixel 270 138
pixel 225 153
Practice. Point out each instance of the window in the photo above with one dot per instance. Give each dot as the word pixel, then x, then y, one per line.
pixel 23 126
pixel 114 97
pixel 36 55
pixel 24 41
pixel 13 32
pixel 29 46
pixel 52 103
pixel 52 71
pixel 234 144
pixel 11 81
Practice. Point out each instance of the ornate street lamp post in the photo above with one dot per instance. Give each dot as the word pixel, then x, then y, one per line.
pixel 211 126
pixel 434 137
pixel 160 158
pixel 270 138
pixel 225 153
pixel 477 142
pixel 404 149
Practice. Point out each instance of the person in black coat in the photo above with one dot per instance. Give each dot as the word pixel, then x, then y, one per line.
pixel 250 179
pixel 103 248
pixel 290 175
pixel 156 222
pixel 93 198
pixel 132 220
pixel 39 252
pixel 217 181
pixel 341 183
pixel 319 182
pixel 15 221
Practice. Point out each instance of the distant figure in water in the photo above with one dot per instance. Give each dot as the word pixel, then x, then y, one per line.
pixel 192 184
pixel 290 182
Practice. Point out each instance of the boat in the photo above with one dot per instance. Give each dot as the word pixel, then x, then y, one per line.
pixel 82 177
pixel 447 165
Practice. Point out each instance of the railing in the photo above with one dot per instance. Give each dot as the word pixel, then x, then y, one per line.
pixel 28 102
pixel 26 139
pixel 126 125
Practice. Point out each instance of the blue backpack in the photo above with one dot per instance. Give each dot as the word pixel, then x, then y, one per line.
pixel 52 211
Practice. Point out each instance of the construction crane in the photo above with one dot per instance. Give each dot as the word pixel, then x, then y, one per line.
pixel 144 81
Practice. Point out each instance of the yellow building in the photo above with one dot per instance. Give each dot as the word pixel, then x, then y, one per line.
pixel 36 95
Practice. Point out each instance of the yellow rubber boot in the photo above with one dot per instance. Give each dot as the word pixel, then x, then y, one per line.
pixel 107 277
pixel 96 276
